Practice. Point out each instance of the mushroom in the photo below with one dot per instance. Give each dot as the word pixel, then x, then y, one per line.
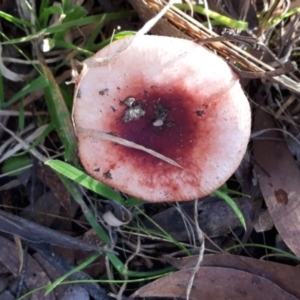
pixel 170 96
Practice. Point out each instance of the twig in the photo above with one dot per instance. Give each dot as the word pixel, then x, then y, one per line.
pixel 108 137
pixel 201 252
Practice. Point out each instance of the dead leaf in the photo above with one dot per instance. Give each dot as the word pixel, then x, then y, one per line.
pixel 252 207
pixel 264 221
pixel 76 293
pixel 215 283
pixel 52 181
pixel 34 276
pixel 281 196
pixel 97 268
pixel 43 210
pixel 52 273
pixel 284 276
pixel 216 218
pixel 279 179
pixel 62 266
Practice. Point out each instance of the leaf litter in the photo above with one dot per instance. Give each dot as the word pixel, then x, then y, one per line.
pixel 228 277
pixel 270 175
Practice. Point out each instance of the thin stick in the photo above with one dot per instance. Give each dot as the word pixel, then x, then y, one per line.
pixel 108 137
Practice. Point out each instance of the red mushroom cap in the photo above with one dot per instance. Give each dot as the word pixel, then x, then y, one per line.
pixel 169 95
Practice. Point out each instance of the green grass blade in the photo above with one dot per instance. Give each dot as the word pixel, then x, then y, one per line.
pixel 64 44
pixel 232 204
pixel 44 4
pixel 241 25
pixel 93 222
pixel 36 84
pixel 74 14
pixel 164 234
pixel 227 191
pixel 59 113
pixel 89 20
pixel 288 14
pixel 66 4
pixel 15 20
pixel 83 265
pixel 12 164
pixel 118 36
pixel 83 179
pixel 41 137
pixel 132 201
pixel 85 209
pixel 275 250
pixel 92 37
pixel 115 261
pixel 76 23
pixel 47 12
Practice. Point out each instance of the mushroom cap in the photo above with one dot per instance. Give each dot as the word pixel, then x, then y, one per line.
pixel 169 95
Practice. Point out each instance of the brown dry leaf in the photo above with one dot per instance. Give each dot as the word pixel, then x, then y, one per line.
pixel 286 277
pixel 252 208
pixel 34 275
pixel 215 283
pixel 97 268
pixel 279 179
pixel 43 210
pixel 52 273
pixel 52 181
pixel 215 217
